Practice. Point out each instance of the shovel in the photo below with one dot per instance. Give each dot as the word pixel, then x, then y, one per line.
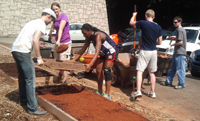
pixel 134 29
pixel 61 48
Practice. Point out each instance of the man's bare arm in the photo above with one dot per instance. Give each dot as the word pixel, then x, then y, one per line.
pixel 159 40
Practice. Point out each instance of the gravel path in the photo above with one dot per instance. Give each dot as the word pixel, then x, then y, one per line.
pixel 5 55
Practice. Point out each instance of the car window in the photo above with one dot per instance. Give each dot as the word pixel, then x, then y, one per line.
pixel 79 27
pixel 130 37
pixel 166 34
pixel 191 35
pixel 72 27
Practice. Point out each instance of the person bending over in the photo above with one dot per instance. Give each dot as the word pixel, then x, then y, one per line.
pixel 106 48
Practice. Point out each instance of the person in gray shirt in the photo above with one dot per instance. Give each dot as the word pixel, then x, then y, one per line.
pixel 179 56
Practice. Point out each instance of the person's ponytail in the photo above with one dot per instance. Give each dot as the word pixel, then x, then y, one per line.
pixel 89 27
pixel 95 29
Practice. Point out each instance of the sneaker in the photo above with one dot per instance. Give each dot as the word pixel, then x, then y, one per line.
pixel 137 94
pixel 103 94
pixel 37 112
pixel 151 94
pixel 97 92
pixel 107 96
pixel 100 93
pixel 165 84
pixel 178 87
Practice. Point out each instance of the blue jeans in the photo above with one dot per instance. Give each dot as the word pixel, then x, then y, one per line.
pixel 177 66
pixel 26 79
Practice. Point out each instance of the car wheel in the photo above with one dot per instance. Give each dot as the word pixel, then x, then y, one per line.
pixel 187 63
pixel 195 74
pixel 115 74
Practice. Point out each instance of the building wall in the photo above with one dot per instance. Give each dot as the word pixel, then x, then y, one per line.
pixel 14 14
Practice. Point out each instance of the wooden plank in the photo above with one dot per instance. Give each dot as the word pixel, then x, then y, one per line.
pixel 44 80
pixel 46 60
pixel 60 114
pixel 51 66
pixel 65 66
pixel 51 71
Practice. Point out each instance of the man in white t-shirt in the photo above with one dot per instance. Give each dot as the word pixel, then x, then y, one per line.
pixel 27 40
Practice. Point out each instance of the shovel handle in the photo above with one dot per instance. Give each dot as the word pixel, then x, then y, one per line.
pixel 134 8
pixel 135 11
pixel 134 28
pixel 52 38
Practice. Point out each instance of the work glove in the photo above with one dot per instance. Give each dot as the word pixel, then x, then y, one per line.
pixel 40 61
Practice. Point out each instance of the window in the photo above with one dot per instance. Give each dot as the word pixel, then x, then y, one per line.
pixel 191 35
pixel 79 27
pixel 72 27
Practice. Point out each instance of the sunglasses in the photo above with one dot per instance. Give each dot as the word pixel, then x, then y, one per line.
pixel 175 22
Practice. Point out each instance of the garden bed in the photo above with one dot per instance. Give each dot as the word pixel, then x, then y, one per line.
pixel 85 105
pixel 11 70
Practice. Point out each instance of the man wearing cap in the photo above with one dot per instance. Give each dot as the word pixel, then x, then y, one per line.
pixel 27 39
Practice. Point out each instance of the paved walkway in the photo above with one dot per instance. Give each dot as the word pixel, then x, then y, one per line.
pixel 183 104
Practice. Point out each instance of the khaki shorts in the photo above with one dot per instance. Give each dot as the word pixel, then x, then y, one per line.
pixel 147 59
pixel 66 55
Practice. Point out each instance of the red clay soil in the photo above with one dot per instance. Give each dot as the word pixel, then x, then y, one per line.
pixel 11 70
pixel 86 105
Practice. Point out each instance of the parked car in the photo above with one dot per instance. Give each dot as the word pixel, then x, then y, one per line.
pixel 127 44
pixel 75 34
pixel 192 44
pixel 130 30
pixel 195 63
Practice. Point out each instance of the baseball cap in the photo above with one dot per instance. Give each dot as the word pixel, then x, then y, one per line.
pixel 49 11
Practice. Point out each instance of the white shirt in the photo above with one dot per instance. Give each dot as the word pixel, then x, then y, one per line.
pixel 24 41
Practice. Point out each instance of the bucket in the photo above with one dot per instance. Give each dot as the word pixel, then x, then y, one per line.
pixel 45 52
pixel 88 58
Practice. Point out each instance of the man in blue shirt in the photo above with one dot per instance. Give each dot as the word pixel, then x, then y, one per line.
pixel 151 36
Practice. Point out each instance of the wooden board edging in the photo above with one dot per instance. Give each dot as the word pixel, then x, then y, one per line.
pixel 60 114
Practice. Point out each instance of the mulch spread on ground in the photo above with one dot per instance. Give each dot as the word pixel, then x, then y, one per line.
pixel 11 70
pixel 85 105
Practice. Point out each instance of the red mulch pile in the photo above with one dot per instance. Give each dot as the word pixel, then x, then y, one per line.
pixel 86 105
pixel 11 70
